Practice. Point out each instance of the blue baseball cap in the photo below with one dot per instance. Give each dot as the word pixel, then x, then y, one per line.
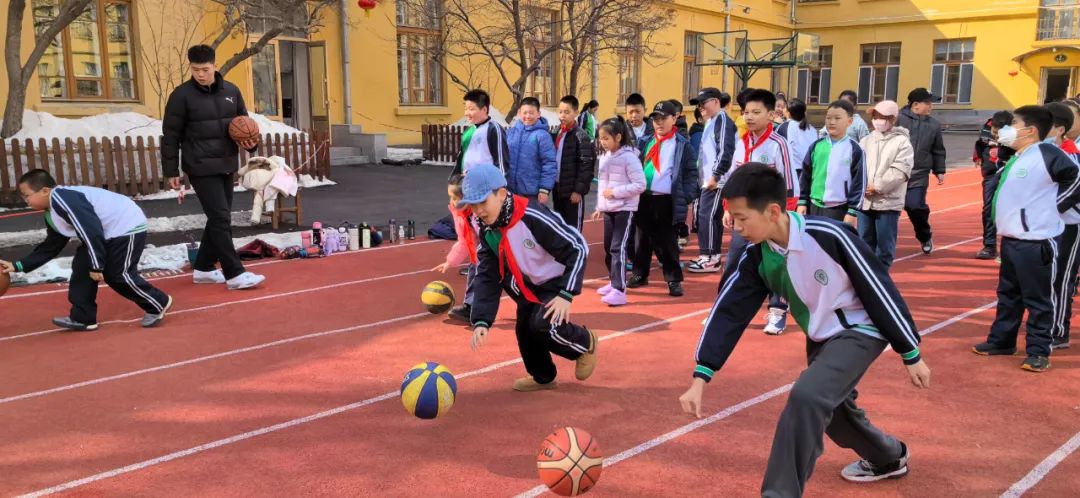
pixel 479 183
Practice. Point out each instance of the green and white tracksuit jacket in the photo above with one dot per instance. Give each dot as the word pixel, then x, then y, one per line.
pixel 832 282
pixel 834 175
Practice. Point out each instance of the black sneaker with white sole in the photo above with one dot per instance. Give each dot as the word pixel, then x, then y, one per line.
pixel 989 349
pixel 462 313
pixel 928 246
pixel 1060 343
pixel 864 471
pixel 704 264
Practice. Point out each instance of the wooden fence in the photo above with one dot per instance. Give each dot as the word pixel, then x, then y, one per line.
pixel 133 166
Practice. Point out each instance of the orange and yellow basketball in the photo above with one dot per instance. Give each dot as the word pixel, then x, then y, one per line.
pixel 569 461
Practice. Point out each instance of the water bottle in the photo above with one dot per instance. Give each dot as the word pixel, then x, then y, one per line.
pixel 366 236
pixel 401 234
pixel 316 233
pixel 305 239
pixel 393 231
pixel 412 230
pixel 354 238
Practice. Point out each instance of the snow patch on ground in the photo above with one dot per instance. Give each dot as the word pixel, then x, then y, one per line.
pixel 172 257
pixel 189 222
pixel 399 154
pixel 308 181
pixel 122 124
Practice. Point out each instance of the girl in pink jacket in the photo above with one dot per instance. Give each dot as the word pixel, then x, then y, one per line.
pixel 464 249
pixel 622 180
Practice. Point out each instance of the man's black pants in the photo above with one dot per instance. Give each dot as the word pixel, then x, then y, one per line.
pixel 215 194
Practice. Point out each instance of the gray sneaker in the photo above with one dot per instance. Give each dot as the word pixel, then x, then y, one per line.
pixel 864 471
pixel 152 320
pixel 245 280
pixel 68 323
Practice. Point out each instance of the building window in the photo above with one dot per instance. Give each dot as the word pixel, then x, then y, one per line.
pixel 629 63
pixel 264 77
pixel 262 15
pixel 419 49
pixel 814 82
pixel 542 82
pixel 1059 20
pixel 90 59
pixel 879 72
pixel 950 76
pixel 691 71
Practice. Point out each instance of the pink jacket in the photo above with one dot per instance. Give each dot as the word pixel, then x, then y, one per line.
pixel 622 173
pixel 465 246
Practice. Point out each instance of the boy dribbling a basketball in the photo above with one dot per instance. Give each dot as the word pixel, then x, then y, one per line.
pixel 539 260
pixel 843 298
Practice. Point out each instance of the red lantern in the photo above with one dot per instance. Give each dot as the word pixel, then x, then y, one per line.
pixel 367 5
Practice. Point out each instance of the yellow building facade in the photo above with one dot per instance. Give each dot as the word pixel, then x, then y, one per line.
pixel 980 55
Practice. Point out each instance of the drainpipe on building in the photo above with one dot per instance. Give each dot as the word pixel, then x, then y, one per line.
pixel 793 71
pixel 727 27
pixel 345 75
pixel 595 66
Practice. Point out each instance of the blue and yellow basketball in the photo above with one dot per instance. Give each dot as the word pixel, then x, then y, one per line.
pixel 428 390
pixel 438 297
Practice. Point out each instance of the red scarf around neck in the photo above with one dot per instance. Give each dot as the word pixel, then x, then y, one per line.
pixel 507 254
pixel 653 154
pixel 563 130
pixel 749 149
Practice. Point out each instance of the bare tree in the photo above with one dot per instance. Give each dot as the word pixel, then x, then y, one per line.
pixel 19 72
pixel 512 40
pixel 170 30
pixel 596 28
pixel 266 19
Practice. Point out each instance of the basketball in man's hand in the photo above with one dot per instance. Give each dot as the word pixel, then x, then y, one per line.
pixel 243 129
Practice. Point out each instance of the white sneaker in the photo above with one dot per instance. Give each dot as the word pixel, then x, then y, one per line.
pixel 245 280
pixel 776 321
pixel 209 277
pixel 705 264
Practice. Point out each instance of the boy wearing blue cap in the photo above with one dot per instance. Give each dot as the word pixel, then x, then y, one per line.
pixel 540 261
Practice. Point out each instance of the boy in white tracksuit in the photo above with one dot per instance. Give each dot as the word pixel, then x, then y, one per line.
pixel 762 145
pixel 1037 184
pixel 714 160
pixel 850 309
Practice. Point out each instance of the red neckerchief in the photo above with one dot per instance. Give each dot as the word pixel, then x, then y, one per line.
pixel 562 132
pixel 468 238
pixel 654 153
pixel 751 148
pixel 1069 147
pixel 507 254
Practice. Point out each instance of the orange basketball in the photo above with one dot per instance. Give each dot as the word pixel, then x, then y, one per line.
pixel 5 283
pixel 243 129
pixel 569 461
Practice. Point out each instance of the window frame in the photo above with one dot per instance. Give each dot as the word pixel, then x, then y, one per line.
pixel 964 68
pixel 276 70
pixel 634 56
pixel 105 80
pixel 549 97
pixel 823 73
pixel 433 97
pixel 878 68
pixel 692 73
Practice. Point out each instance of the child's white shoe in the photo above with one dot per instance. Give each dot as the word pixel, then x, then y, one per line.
pixel 245 280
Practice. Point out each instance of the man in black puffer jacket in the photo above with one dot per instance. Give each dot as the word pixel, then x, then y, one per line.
pixel 196 136
pixel 929 157
pixel 576 156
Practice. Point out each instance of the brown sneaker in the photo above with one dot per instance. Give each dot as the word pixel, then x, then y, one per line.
pixel 527 384
pixel 586 363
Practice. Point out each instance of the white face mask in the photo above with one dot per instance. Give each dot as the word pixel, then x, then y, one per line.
pixel 1007 135
pixel 881 125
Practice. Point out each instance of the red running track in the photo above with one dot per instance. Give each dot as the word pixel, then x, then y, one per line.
pixel 291 389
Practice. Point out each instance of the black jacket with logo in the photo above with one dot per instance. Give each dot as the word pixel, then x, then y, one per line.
pixel 196 129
